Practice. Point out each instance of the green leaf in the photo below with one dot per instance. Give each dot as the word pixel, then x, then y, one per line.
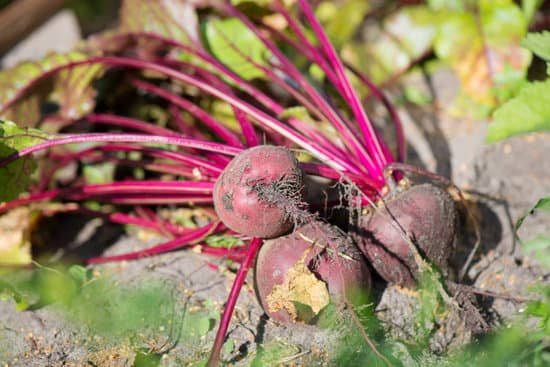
pixel 236 46
pixel 16 176
pixel 528 112
pixel 538 43
pixel 80 274
pixel 224 241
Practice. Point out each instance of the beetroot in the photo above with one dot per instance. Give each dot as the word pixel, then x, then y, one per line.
pixel 297 275
pixel 427 214
pixel 259 192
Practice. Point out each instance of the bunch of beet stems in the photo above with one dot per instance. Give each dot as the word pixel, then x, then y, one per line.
pixel 357 155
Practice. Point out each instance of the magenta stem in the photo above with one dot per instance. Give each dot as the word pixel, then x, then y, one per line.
pixel 129 123
pixel 349 136
pixel 253 248
pixel 379 94
pixel 184 240
pixel 124 138
pixel 211 123
pixel 373 145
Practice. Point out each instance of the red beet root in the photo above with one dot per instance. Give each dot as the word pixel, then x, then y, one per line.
pixel 427 214
pixel 258 192
pixel 297 275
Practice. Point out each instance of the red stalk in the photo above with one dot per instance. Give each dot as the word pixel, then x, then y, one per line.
pixel 130 123
pixel 124 138
pixel 184 240
pixel 344 128
pixel 372 143
pixel 225 320
pixel 214 125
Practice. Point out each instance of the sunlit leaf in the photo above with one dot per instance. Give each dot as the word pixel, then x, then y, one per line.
pixel 236 46
pixel 16 176
pixel 528 112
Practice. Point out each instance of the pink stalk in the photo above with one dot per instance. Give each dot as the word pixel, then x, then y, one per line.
pixel 266 120
pixel 148 187
pixel 379 94
pixel 125 138
pixel 114 198
pixel 180 157
pixel 306 48
pixel 233 254
pixel 214 125
pixel 320 170
pixel 195 133
pixel 373 145
pixel 247 129
pixel 301 126
pixel 225 320
pixel 156 200
pixel 255 93
pixel 125 219
pixel 342 127
pixel 130 123
pixel 28 199
pixel 185 240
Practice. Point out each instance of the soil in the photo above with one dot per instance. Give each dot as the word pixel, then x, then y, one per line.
pixel 500 181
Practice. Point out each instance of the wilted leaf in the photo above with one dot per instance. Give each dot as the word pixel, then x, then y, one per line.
pixel 173 19
pixel 16 176
pixel 234 44
pixel 528 112
pixel 70 89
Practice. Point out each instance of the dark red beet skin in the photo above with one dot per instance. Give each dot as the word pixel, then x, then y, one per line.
pixel 425 212
pixel 258 190
pixel 331 259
